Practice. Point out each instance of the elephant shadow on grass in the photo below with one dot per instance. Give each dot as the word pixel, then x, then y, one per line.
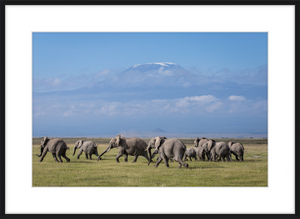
pixel 83 162
pixel 207 167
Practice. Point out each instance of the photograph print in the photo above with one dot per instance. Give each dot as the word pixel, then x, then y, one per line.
pixel 150 109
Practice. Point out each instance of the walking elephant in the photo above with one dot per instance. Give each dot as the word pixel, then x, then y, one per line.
pixel 189 153
pixel 237 149
pixel 168 149
pixel 88 147
pixel 218 149
pixel 198 147
pixel 157 152
pixel 55 146
pixel 127 146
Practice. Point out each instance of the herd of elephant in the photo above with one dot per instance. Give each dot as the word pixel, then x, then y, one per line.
pixel 168 149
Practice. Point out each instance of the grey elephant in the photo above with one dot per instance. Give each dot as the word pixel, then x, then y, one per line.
pixel 156 151
pixel 189 153
pixel 127 146
pixel 200 151
pixel 218 149
pixel 168 149
pixel 237 149
pixel 198 147
pixel 88 147
pixel 55 146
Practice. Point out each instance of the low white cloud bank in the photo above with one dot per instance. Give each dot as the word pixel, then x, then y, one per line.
pixel 69 82
pixel 194 105
pixel 233 97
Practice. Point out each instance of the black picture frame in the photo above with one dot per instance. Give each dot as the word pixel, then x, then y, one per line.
pixel 152 2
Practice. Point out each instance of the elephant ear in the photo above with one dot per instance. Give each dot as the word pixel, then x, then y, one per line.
pixel 118 140
pixel 211 144
pixel 80 142
pixel 44 141
pixel 242 147
pixel 157 142
pixel 196 142
pixel 230 143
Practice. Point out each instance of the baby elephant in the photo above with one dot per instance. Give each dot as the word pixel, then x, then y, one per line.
pixel 88 147
pixel 55 146
pixel 222 150
pixel 237 149
pixel 190 152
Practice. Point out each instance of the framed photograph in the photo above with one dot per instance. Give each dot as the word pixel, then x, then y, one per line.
pixel 224 72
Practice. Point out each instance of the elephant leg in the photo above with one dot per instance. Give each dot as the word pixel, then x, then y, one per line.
pixel 190 158
pixel 242 157
pixel 135 158
pixel 54 157
pixel 59 158
pixel 90 156
pixel 236 157
pixel 166 160
pixel 126 157
pixel 153 155
pixel 239 156
pixel 79 153
pixel 146 156
pixel 159 159
pixel 64 156
pixel 223 158
pixel 228 158
pixel 171 160
pixel 43 155
pixel 184 157
pixel 182 163
pixel 121 152
pixel 86 156
pixel 207 155
pixel 211 157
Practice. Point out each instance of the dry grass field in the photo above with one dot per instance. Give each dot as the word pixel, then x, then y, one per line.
pixel 253 172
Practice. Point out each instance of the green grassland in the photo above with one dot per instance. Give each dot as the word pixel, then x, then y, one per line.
pixel 107 172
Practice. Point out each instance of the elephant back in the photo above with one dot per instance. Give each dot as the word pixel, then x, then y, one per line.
pixel 137 142
pixel 202 141
pixel 56 145
pixel 135 146
pixel 190 151
pixel 88 146
pixel 238 146
pixel 221 147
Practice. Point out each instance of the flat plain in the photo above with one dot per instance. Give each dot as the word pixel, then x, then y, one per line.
pixel 252 172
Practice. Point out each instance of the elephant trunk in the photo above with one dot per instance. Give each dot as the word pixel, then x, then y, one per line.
pixel 41 152
pixel 107 149
pixel 150 156
pixel 74 151
pixel 96 152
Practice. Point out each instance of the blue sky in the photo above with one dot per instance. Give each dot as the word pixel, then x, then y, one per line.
pixel 81 87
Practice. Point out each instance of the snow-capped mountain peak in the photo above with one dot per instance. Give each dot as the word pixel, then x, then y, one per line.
pixel 156 66
pixel 156 63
